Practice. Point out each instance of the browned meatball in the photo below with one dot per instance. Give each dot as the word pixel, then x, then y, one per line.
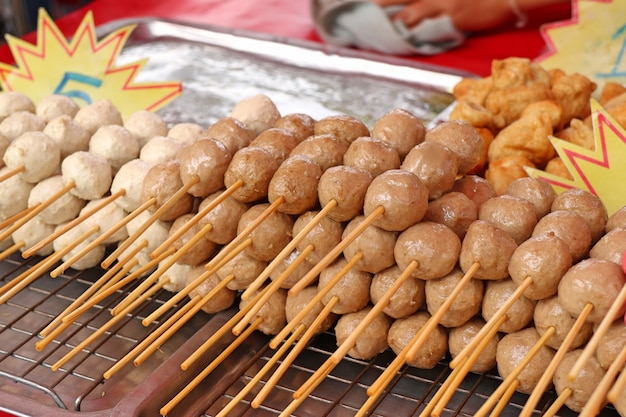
pixel 465 305
pixel 206 160
pixel 512 349
pixel 461 336
pixel 517 316
pixel 201 251
pixel 403 197
pixel 489 247
pixel 570 227
pixel 433 350
pixel 594 281
pixel 242 270
pixel 535 190
pixel 611 343
pixel 617 219
pixel 344 127
pixel 295 183
pixel 587 206
pixel 550 314
pixel 223 218
pixel 514 215
pixel 374 244
pixel 434 246
pixel 585 383
pixel 346 186
pixel 278 142
pixel 352 289
pixel 231 132
pixel 611 246
pixel 372 155
pixel 223 299
pixel 254 167
pixel 323 237
pixel 298 272
pixel 300 124
pixel 434 164
pixel 462 138
pixel 270 236
pixel 298 302
pixel 406 300
pixel 475 188
pixel 544 258
pixel 161 182
pixel 272 311
pixel 401 129
pixel 373 339
pixel 326 150
pixel 455 210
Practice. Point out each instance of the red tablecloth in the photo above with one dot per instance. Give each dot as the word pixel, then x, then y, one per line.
pixel 291 18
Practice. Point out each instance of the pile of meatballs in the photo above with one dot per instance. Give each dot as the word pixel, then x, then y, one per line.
pixel 326 205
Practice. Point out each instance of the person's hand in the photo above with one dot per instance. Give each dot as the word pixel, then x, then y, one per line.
pixel 467 16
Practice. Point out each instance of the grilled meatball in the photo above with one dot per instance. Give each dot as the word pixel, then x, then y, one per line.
pixel 269 237
pixel 432 351
pixel 326 150
pixel 611 246
pixel 550 314
pixel 223 218
pixel 278 142
pixel 372 155
pixel 586 205
pixel 323 237
pixel 352 289
pixel 406 300
pixel 462 138
pixel 374 244
pixel 570 227
pixel 611 343
pixel 535 190
pixel 161 182
pixel 373 339
pixel 222 300
pixel 300 124
pixel 231 132
pixel 514 215
pixel 490 247
pixel 461 336
pixel 434 164
pixel 475 188
pixel 585 383
pixel 201 251
pixel 295 183
pixel 296 274
pixel 243 268
pixel 401 129
pixel 254 167
pixel 455 210
pixel 206 159
pixel 296 303
pixel 517 316
pixel 344 127
pixel 272 311
pixel 346 186
pixel 465 305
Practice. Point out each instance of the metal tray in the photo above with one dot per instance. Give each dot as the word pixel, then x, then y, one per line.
pixel 218 68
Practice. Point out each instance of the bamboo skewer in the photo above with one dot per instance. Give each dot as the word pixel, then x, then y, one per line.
pixel 558 403
pixel 16 217
pixel 11 173
pixel 546 378
pixel 11 249
pixel 210 368
pixel 293 405
pixel 504 400
pixel 596 401
pixel 620 383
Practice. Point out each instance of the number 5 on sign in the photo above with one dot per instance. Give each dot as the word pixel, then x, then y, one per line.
pixel 73 85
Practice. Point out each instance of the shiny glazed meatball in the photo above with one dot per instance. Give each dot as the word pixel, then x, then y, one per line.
pixel 406 300
pixel 465 305
pixel 489 247
pixel 373 339
pixel 517 316
pixel 352 289
pixel 432 351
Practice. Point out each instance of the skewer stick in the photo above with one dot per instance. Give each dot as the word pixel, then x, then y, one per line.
pixel 446 387
pixel 200 214
pixel 350 341
pixel 500 312
pixel 598 333
pixel 297 349
pixel 11 249
pixel 318 297
pixel 558 403
pixel 174 198
pixel 198 303
pixel 596 401
pixel 504 401
pixel 620 384
pixel 287 250
pixel 272 288
pixel 69 225
pixel 100 331
pixel 333 254
pixel 180 295
pixel 11 173
pixel 499 392
pixel 16 217
pixel 261 373
pixel 418 340
pixel 464 368
pixel 206 371
pixel 287 412
pixel 546 378
pixel 59 325
pixel 24 279
pixel 36 209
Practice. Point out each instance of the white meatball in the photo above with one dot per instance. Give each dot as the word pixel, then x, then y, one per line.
pixel 63 209
pixel 69 135
pixel 37 153
pixel 54 105
pixel 257 112
pixel 91 175
pixel 177 275
pixel 4 144
pixel 144 125
pixel 187 133
pixel 97 114
pixel 142 257
pixel 160 149
pixel 14 192
pixel 106 218
pixel 130 179
pixel 155 234
pixel 116 144
pixel 12 101
pixel 32 232
pixel 89 259
pixel 19 123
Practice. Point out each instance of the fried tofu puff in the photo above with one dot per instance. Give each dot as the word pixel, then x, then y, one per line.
pixel 573 91
pixel 502 172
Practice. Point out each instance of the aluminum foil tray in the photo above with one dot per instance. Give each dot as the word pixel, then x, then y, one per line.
pixel 218 68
